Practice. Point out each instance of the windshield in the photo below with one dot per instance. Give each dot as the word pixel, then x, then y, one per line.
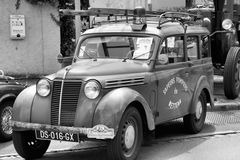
pixel 117 47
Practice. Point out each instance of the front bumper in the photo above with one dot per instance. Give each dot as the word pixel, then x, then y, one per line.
pixel 97 132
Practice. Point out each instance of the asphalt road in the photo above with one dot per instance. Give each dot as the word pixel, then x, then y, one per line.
pixel 219 140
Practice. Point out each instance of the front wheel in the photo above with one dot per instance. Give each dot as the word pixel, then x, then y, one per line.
pixel 231 77
pixel 27 146
pixel 194 122
pixel 5 116
pixel 128 140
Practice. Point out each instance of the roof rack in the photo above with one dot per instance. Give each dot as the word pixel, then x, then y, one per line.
pixel 113 15
pixel 162 17
pixel 106 12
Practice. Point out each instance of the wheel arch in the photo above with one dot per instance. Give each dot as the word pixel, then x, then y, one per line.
pixel 202 86
pixel 140 108
pixel 122 98
pixel 7 97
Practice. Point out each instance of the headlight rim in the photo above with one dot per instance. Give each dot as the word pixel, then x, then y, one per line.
pixel 98 86
pixel 37 89
pixel 227 21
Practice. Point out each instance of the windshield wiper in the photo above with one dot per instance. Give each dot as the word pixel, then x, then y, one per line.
pixel 128 54
pixel 89 56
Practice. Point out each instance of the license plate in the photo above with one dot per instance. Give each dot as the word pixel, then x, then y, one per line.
pixel 60 136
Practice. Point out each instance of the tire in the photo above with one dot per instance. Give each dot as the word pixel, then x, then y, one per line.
pixel 194 122
pixel 125 146
pixel 5 116
pixel 231 80
pixel 27 146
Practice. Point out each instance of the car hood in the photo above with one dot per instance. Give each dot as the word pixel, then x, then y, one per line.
pixel 102 67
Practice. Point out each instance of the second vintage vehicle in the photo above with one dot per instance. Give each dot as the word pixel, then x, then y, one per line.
pixel 9 89
pixel 125 79
pixel 224 26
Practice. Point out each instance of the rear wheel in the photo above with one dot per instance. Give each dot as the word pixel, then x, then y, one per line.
pixel 231 75
pixel 27 146
pixel 5 116
pixel 128 140
pixel 194 122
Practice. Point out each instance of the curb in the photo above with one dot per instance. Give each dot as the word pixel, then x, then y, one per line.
pixel 221 103
pixel 225 106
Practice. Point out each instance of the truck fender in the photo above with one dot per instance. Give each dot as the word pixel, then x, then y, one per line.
pixel 202 84
pixel 111 107
pixel 23 105
pixel 7 96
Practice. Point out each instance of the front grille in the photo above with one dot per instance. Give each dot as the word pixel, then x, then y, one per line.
pixel 70 95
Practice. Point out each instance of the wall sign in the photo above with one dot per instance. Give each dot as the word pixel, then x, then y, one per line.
pixel 17 27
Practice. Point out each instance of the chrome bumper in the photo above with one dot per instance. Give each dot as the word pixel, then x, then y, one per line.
pixel 98 132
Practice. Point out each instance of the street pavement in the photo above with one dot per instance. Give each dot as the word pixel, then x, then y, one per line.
pixel 219 139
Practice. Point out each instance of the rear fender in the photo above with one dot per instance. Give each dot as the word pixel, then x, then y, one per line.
pixel 202 85
pixel 111 107
pixel 23 105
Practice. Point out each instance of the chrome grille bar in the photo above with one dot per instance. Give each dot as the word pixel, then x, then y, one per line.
pixel 61 93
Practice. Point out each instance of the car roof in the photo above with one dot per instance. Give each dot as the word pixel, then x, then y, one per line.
pixel 166 29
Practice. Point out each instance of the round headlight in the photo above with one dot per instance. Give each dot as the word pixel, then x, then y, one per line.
pixel 43 87
pixel 227 24
pixel 92 89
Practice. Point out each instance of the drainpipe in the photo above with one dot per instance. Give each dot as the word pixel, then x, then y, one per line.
pixel 78 20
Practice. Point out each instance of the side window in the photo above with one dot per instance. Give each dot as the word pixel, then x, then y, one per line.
pixel 192 48
pixel 171 50
pixel 204 47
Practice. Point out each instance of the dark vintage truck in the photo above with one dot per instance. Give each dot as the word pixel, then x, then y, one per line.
pixel 224 20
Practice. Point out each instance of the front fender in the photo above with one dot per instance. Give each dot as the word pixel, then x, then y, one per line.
pixel 23 105
pixel 7 96
pixel 112 106
pixel 202 84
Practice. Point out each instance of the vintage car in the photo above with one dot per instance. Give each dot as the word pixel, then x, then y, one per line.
pixel 125 79
pixel 9 89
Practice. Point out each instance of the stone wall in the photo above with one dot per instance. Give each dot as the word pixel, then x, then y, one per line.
pixel 36 53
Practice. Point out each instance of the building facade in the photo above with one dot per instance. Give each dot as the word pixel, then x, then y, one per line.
pixel 167 4
pixel 30 38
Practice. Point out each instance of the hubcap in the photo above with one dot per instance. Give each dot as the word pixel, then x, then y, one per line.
pixel 199 110
pixel 129 136
pixel 6 117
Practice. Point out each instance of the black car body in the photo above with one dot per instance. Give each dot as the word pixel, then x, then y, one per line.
pixel 9 89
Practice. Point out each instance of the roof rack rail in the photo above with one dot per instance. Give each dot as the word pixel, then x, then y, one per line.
pixel 113 15
pixel 106 12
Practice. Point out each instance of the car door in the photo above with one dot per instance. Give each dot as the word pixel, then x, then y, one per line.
pixel 172 74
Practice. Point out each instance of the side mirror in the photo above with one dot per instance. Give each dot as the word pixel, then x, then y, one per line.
pixel 163 58
pixel 60 58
